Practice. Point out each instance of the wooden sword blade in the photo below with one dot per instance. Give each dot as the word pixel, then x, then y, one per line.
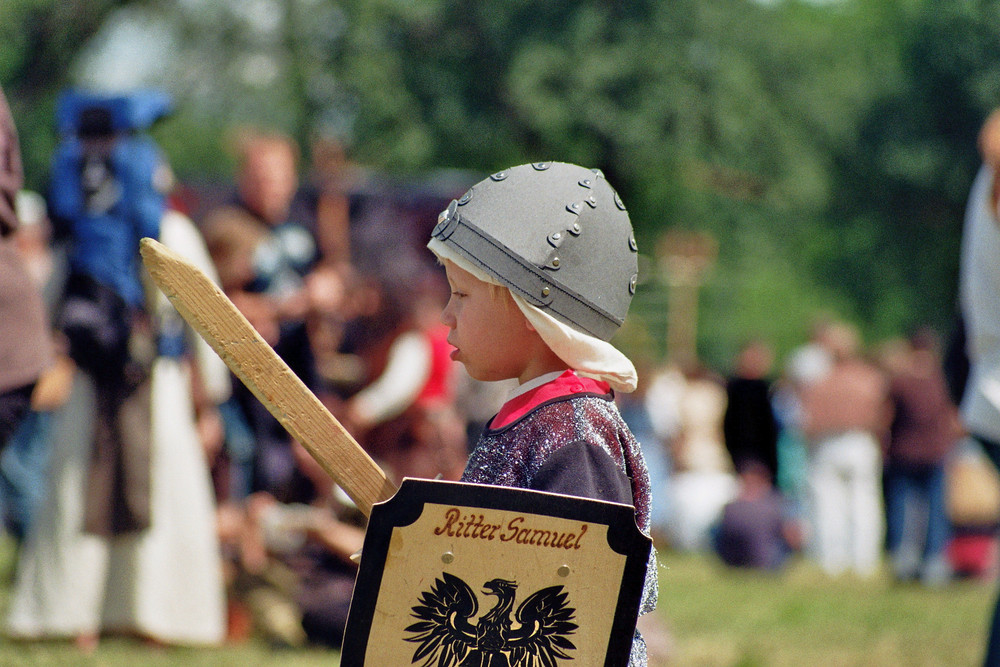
pixel 216 319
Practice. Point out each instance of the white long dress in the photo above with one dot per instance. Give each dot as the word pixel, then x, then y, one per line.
pixel 165 582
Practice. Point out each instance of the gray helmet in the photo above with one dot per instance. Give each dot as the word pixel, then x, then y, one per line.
pixel 554 233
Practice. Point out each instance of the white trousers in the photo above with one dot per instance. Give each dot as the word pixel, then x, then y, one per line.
pixel 848 522
pixel 697 498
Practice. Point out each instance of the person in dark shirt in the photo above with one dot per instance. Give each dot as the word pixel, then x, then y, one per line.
pixel 265 259
pixel 749 424
pixel 924 431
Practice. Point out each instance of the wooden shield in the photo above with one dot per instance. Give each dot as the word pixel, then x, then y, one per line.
pixel 456 574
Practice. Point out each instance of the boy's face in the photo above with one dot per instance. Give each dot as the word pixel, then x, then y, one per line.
pixel 490 334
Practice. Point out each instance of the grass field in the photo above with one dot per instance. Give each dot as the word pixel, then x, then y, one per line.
pixel 729 618
pixel 715 618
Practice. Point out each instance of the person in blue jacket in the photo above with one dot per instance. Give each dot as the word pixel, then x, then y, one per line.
pixel 107 191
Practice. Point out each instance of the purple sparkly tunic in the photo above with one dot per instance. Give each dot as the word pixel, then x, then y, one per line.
pixel 577 445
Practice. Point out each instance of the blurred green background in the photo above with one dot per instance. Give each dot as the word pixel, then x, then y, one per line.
pixel 827 147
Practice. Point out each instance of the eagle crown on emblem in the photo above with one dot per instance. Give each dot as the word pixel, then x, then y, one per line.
pixel 448 637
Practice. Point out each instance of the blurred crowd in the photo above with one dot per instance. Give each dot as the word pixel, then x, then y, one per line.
pixel 853 458
pixel 149 491
pixel 152 494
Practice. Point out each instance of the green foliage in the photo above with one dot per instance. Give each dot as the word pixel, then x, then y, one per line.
pixel 828 146
pixel 38 42
pixel 727 617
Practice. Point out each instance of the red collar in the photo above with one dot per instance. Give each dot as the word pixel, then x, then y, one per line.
pixel 567 384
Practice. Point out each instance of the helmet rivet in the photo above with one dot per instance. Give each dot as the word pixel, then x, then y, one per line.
pixel 499 176
pixel 591 202
pixel 574 207
pixel 585 183
pixel 575 229
pixel 632 283
pixel 545 291
pixel 555 263
pixel 465 198
pixel 541 166
pixel 633 246
pixel 619 203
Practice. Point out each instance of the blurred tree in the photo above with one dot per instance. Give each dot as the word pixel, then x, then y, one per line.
pixel 724 115
pixel 901 187
pixel 827 146
pixel 39 40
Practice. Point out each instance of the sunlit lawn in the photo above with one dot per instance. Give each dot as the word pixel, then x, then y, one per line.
pixel 715 617
pixel 724 617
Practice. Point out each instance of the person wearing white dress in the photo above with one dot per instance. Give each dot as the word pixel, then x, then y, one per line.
pixel 163 583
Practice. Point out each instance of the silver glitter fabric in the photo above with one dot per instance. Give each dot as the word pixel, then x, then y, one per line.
pixel 513 455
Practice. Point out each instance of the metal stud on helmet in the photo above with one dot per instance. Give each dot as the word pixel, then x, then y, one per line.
pixel 555 233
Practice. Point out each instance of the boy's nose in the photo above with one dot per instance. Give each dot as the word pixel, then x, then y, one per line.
pixel 446 317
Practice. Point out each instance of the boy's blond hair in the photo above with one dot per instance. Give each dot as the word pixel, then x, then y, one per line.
pixel 501 296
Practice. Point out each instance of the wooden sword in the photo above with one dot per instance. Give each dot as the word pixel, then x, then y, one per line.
pixel 216 319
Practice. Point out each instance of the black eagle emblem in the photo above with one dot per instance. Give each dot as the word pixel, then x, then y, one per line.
pixel 536 636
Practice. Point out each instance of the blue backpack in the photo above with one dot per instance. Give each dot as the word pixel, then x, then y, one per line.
pixel 107 190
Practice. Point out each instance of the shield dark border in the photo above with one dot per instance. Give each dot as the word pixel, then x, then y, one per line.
pixel 407 505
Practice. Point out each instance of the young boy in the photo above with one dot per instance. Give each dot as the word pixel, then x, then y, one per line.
pixel 542 265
